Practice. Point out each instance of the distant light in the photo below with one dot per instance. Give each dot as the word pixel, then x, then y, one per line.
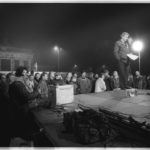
pixel 75 66
pixel 137 46
pixel 56 48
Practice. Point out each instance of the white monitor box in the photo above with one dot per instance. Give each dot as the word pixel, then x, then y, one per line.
pixel 63 94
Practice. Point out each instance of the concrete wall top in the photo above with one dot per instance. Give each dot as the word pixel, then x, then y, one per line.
pixel 15 55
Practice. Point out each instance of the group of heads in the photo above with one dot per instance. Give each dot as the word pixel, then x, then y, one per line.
pixel 23 72
pixel 10 77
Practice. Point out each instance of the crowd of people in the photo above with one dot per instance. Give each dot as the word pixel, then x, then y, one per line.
pixel 33 85
pixel 19 89
pixel 83 82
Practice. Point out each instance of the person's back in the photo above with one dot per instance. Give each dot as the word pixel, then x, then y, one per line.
pixel 20 119
pixel 19 97
pixel 19 94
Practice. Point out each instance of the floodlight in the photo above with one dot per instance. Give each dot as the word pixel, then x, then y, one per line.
pixel 137 46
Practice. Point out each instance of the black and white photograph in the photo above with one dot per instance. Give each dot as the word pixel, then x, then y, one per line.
pixel 75 74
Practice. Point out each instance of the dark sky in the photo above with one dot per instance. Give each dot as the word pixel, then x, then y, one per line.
pixel 86 32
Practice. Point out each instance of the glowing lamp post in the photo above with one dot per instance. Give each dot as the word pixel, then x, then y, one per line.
pixel 137 46
pixel 57 49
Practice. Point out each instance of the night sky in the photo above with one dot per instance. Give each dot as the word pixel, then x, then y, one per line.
pixel 86 32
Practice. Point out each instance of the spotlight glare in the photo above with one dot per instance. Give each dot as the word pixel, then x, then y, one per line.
pixel 56 48
pixel 137 46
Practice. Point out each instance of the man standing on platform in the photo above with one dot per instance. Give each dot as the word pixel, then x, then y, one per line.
pixel 121 49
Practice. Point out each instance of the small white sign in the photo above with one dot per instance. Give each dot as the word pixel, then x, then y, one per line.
pixel 64 94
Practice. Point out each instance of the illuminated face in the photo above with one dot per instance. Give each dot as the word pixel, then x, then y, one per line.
pixel 96 76
pixel 125 37
pixel 3 77
pixel 37 76
pixel 69 75
pixel 75 75
pixel 52 75
pixel 83 74
pixel 24 72
pixel 106 74
pixel 137 73
pixel 74 79
pixel 58 76
pixel 115 73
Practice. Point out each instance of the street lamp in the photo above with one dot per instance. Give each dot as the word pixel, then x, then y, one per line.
pixel 137 46
pixel 57 49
